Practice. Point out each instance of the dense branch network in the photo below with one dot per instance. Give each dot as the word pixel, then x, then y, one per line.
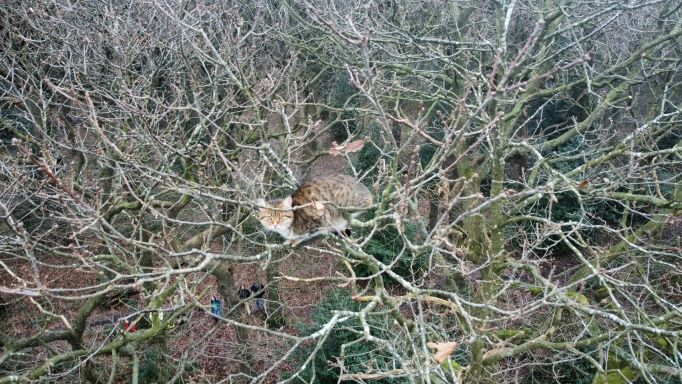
pixel 524 157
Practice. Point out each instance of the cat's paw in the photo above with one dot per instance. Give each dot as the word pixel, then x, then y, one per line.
pixel 346 235
pixel 292 243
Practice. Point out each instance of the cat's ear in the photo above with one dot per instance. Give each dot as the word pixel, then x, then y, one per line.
pixel 261 203
pixel 286 203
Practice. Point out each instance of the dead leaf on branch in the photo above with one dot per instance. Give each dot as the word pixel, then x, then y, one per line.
pixel 583 184
pixel 353 146
pixel 443 350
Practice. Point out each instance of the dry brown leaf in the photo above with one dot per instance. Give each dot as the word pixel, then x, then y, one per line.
pixel 353 146
pixel 443 350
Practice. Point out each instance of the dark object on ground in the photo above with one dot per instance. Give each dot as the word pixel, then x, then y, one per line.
pixel 260 306
pixel 243 293
pixel 4 308
pixel 216 307
pixel 259 291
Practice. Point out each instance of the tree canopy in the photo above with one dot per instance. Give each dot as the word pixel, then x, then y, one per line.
pixel 525 159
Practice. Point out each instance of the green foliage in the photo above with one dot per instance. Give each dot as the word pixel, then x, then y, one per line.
pixel 370 154
pixel 565 209
pixel 436 130
pixel 426 153
pixel 669 139
pixel 358 356
pixel 343 95
pixel 558 371
pixel 616 376
pixel 570 152
pixel 251 226
pixel 388 247
pixel 149 367
pixel 13 124
pixel 556 114
pixel 569 207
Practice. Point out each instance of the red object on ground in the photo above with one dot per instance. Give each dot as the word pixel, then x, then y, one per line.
pixel 130 327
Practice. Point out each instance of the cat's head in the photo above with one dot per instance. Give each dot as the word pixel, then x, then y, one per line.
pixel 276 215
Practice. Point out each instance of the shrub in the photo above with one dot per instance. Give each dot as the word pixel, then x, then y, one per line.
pixel 388 247
pixel 358 356
pixel 370 154
pixel 343 95
pixel 572 371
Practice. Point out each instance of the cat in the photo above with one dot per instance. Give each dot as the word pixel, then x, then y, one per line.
pixel 320 205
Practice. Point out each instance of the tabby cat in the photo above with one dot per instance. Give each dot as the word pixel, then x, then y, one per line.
pixel 320 205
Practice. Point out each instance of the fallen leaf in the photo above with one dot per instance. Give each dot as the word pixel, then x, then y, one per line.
pixel 443 350
pixel 353 146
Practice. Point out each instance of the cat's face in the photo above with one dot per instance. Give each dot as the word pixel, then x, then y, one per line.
pixel 276 215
